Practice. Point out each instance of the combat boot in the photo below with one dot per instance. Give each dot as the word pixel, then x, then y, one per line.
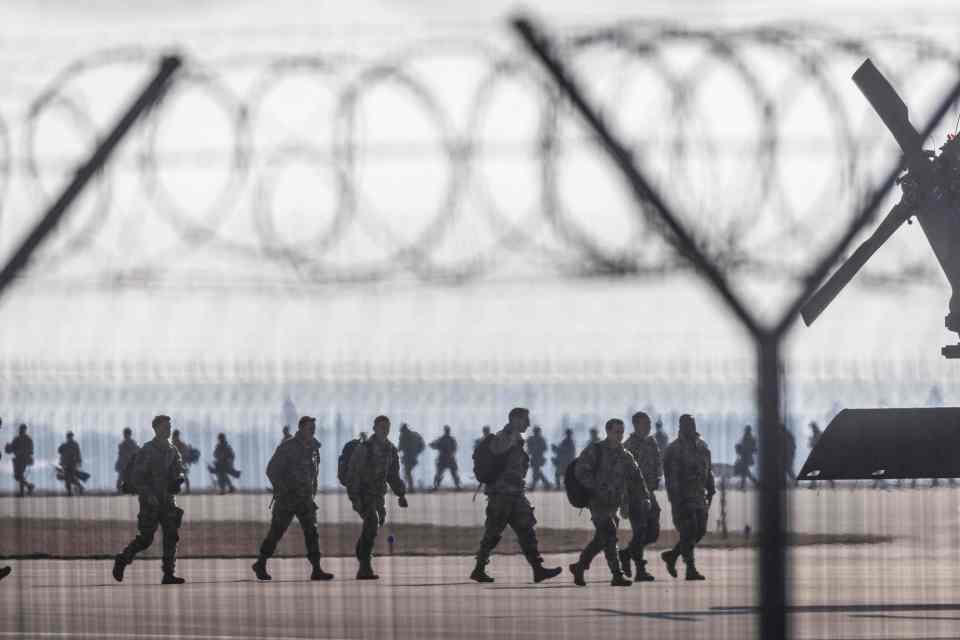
pixel 541 573
pixel 119 564
pixel 642 575
pixel 619 581
pixel 693 574
pixel 625 561
pixel 318 573
pixel 577 570
pixel 169 578
pixel 260 569
pixel 670 559
pixel 366 571
pixel 479 573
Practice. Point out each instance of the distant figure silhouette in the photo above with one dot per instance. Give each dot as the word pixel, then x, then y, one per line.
pixel 70 462
pixel 690 488
pixel 189 456
pixel 446 446
pixel 285 433
pixel 21 448
pixel 411 445
pixel 484 432
pixel 563 455
pixel 746 457
pixel 661 436
pixel 127 448
pixel 537 448
pixel 222 467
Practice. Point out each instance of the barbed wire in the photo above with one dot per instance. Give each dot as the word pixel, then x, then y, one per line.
pixel 453 160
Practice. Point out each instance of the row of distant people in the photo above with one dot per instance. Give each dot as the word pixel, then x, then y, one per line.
pixel 70 468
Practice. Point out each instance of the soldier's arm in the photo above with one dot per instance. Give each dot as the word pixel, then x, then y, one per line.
pixel 393 475
pixel 670 473
pixel 658 461
pixel 275 471
pixel 637 482
pixel 586 468
pixel 711 487
pixel 140 476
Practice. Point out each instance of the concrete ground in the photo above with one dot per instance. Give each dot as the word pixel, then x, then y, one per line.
pixel 839 593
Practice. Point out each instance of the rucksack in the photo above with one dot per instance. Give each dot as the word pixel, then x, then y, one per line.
pixel 578 495
pixel 343 462
pixel 418 444
pixel 487 466
pixel 126 476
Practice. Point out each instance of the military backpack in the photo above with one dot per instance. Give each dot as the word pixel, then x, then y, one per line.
pixel 487 466
pixel 343 462
pixel 577 494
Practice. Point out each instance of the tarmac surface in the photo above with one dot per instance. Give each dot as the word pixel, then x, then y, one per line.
pixel 839 593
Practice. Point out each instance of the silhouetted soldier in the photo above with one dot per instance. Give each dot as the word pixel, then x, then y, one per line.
pixel 21 448
pixel 189 456
pixel 608 472
pixel 411 445
pixel 746 452
pixel 484 432
pixel 507 502
pixel 285 433
pixel 537 447
pixel 223 469
pixel 127 448
pixel 156 477
pixel 563 455
pixel 293 473
pixel 663 440
pixel 594 436
pixel 70 463
pixel 690 488
pixel 373 465
pixel 446 447
pixel 642 508
pixel 815 434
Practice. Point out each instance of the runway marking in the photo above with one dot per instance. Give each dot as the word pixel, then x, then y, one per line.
pixel 165 636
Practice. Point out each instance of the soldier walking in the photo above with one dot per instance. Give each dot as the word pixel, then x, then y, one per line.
pixel 642 509
pixel 127 448
pixel 746 451
pixel 156 478
pixel 21 448
pixel 222 468
pixel 189 456
pixel 563 455
pixel 446 446
pixel 537 447
pixel 70 463
pixel 507 502
pixel 690 489
pixel 293 473
pixel 661 436
pixel 610 474
pixel 373 464
pixel 411 445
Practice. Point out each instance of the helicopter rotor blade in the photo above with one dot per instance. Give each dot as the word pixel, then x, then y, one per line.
pixel 892 110
pixel 823 296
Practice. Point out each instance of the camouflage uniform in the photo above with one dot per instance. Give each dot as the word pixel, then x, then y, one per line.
pixel 70 461
pixel 644 520
pixel 563 455
pixel 611 474
pixel 293 473
pixel 690 488
pixel 507 503
pixel 157 472
pixel 127 448
pixel 411 445
pixel 537 447
pixel 223 469
pixel 373 466
pixel 21 448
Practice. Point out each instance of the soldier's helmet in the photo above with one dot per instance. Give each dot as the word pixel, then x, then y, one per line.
pixel 23 428
pixel 446 429
pixel 69 435
pixel 747 429
pixel 537 429
pixel 222 437
pixel 403 426
pixel 127 432
pixel 568 433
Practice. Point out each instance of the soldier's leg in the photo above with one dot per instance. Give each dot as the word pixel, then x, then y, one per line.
pixel 497 517
pixel 601 533
pixel 307 516
pixel 455 472
pixel 438 476
pixel 523 522
pixel 170 522
pixel 148 519
pixel 408 475
pixel 279 522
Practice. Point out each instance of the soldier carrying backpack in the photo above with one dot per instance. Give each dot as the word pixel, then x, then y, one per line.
pixel 501 464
